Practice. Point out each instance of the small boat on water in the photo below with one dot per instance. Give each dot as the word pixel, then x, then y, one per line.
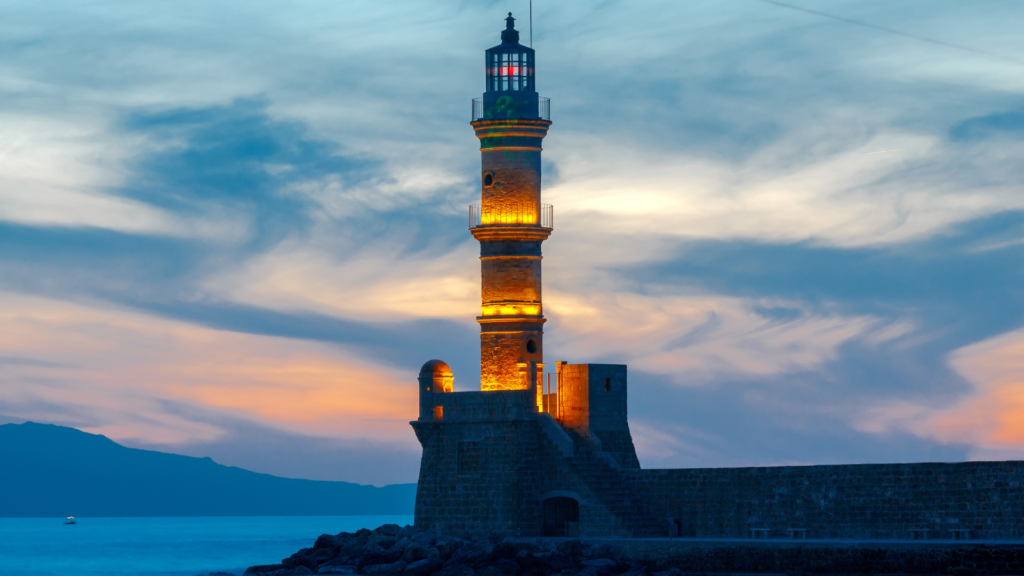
pixel 70 520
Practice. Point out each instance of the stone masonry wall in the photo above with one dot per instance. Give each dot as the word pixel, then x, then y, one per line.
pixel 478 477
pixel 499 357
pixel 847 501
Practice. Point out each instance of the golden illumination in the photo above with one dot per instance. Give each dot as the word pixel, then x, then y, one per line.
pixel 539 385
pixel 510 309
pixel 520 215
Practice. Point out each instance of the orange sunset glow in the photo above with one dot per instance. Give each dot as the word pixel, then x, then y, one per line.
pixel 239 233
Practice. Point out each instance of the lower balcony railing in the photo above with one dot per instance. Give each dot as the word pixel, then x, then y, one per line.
pixel 512 216
pixel 543 111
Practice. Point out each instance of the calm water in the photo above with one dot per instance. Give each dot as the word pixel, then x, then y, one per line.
pixel 163 546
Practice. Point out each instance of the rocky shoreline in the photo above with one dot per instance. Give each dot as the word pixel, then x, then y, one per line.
pixel 405 551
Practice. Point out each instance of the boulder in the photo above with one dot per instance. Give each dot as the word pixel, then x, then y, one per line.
pixel 473 555
pixel 344 569
pixel 389 529
pixel 554 561
pixel 344 543
pixel 397 550
pixel 295 571
pixel 416 552
pixel 379 569
pixel 599 567
pixel 382 540
pixel 502 567
pixel 510 549
pixel 455 569
pixel 327 541
pixel 424 538
pixel 571 548
pixel 423 567
pixel 309 557
pixel 448 547
pixel 264 568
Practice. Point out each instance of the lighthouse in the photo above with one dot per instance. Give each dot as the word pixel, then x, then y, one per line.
pixel 510 459
pixel 510 222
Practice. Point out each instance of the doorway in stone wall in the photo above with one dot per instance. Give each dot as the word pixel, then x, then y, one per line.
pixel 561 517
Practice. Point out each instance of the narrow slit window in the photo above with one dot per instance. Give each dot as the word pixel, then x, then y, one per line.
pixel 607 384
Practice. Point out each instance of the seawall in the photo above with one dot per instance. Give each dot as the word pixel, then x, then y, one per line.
pixel 971 500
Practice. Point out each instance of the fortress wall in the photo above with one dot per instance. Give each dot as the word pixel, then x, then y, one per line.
pixel 478 477
pixel 845 501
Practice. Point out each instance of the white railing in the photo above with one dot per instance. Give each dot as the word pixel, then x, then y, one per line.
pixel 543 111
pixel 513 216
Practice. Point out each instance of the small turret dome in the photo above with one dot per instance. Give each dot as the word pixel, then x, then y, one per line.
pixel 435 368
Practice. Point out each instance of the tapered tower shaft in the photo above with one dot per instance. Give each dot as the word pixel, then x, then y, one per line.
pixel 510 222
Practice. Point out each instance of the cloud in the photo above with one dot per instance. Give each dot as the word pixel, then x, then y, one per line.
pixel 254 446
pixel 784 224
pixel 699 338
pixel 126 364
pixel 989 419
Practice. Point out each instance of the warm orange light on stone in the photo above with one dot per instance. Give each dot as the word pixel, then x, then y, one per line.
pixel 510 309
pixel 510 234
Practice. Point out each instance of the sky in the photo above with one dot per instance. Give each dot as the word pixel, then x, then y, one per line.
pixel 237 229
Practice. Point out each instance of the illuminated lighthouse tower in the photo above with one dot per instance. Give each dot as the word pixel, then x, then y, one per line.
pixel 509 459
pixel 510 222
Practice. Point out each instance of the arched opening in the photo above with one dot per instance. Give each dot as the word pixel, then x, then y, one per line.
pixel 531 346
pixel 488 179
pixel 561 517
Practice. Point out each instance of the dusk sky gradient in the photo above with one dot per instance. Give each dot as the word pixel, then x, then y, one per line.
pixel 237 229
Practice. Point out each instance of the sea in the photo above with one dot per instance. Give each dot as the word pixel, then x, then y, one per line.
pixel 163 546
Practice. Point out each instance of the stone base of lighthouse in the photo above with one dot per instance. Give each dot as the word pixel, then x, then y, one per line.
pixel 492 462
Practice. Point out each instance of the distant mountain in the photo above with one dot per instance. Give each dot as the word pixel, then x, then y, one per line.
pixel 48 470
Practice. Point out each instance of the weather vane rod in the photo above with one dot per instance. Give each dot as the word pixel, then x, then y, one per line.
pixel 531 23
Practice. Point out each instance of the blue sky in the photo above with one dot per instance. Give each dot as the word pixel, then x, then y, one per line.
pixel 237 229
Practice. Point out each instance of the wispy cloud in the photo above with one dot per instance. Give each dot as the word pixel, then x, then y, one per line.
pixel 201 199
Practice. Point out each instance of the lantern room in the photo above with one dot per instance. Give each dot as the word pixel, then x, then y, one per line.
pixel 510 64
pixel 511 91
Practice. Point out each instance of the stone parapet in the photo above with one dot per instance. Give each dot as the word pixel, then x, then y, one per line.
pixel 970 500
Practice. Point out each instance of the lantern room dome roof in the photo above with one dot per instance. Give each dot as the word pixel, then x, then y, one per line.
pixel 509 36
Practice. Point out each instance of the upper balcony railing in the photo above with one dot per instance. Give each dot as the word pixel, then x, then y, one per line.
pixel 543 109
pixel 513 217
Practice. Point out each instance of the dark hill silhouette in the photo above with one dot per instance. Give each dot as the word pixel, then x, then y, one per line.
pixel 48 470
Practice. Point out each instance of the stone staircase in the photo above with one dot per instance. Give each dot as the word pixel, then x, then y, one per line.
pixel 601 474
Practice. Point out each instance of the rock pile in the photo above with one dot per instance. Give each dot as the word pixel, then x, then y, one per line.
pixel 394 551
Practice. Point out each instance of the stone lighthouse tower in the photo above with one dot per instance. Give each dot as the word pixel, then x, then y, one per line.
pixel 510 459
pixel 510 222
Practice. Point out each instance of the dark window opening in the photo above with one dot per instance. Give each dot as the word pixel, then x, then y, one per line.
pixel 607 384
pixel 561 517
pixel 488 179
pixel 531 347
